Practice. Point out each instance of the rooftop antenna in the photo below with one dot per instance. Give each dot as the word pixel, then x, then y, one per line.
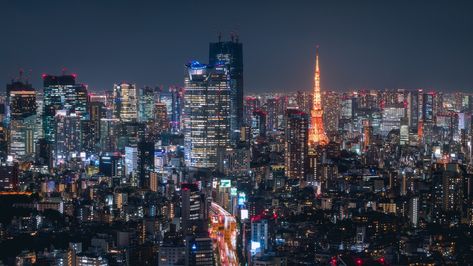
pixel 219 37
pixel 20 78
pixel 29 74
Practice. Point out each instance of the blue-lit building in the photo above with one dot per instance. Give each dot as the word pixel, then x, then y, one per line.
pixel 259 236
pixel 206 116
pixel 62 93
pixel 146 101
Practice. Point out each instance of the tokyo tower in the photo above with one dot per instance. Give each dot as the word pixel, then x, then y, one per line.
pixel 317 134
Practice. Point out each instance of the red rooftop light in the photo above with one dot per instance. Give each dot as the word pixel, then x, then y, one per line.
pixel 359 262
pixel 333 262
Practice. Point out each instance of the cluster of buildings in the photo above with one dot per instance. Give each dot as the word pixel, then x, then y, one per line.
pixel 392 185
pixel 203 175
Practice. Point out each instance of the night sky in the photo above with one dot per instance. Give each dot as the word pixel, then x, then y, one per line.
pixel 363 44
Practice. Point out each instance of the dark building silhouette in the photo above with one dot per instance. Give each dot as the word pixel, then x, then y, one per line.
pixel 231 54
pixel 296 143
pixel 21 99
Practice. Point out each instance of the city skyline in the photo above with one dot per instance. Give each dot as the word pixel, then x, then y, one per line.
pixel 257 149
pixel 364 45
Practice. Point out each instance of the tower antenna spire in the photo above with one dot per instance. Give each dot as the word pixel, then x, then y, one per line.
pixel 317 134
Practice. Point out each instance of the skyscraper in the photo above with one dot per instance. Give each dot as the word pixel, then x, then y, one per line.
pixel 67 140
pixel 96 113
pixel 251 104
pixel 21 105
pixel 160 117
pixel 427 117
pixel 62 93
pixel 125 102
pixel 146 103
pixel 191 207
pixel 275 110
pixel 21 137
pixel 230 53
pixel 145 162
pixel 317 132
pixel 391 117
pixel 296 143
pixel 173 99
pixel 258 123
pixel 21 99
pixel 304 101
pixel 331 106
pixel 448 180
pixel 206 114
pixel 413 110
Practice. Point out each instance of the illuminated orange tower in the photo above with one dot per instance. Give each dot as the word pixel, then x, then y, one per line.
pixel 317 134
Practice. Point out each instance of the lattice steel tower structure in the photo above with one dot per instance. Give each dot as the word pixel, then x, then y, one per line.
pixel 317 134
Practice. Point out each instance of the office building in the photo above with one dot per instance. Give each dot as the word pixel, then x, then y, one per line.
pixel 199 251
pixel 258 123
pixel 67 141
pixel 259 236
pixel 296 143
pixel 146 102
pixel 21 99
pixel 230 53
pixel 191 207
pixel 173 98
pixel 206 115
pixel 21 119
pixel 125 102
pixel 62 93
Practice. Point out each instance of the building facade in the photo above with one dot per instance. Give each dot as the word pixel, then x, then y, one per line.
pixel 206 115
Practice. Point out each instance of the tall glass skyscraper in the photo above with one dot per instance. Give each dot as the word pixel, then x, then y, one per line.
pixel 62 93
pixel 146 103
pixel 230 53
pixel 206 116
pixel 21 104
pixel 125 102
pixel 296 143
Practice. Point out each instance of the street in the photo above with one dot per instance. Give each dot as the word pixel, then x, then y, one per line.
pixel 223 232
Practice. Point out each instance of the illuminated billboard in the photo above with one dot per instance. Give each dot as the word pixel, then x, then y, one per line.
pixel 225 183
pixel 241 198
pixel 243 214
